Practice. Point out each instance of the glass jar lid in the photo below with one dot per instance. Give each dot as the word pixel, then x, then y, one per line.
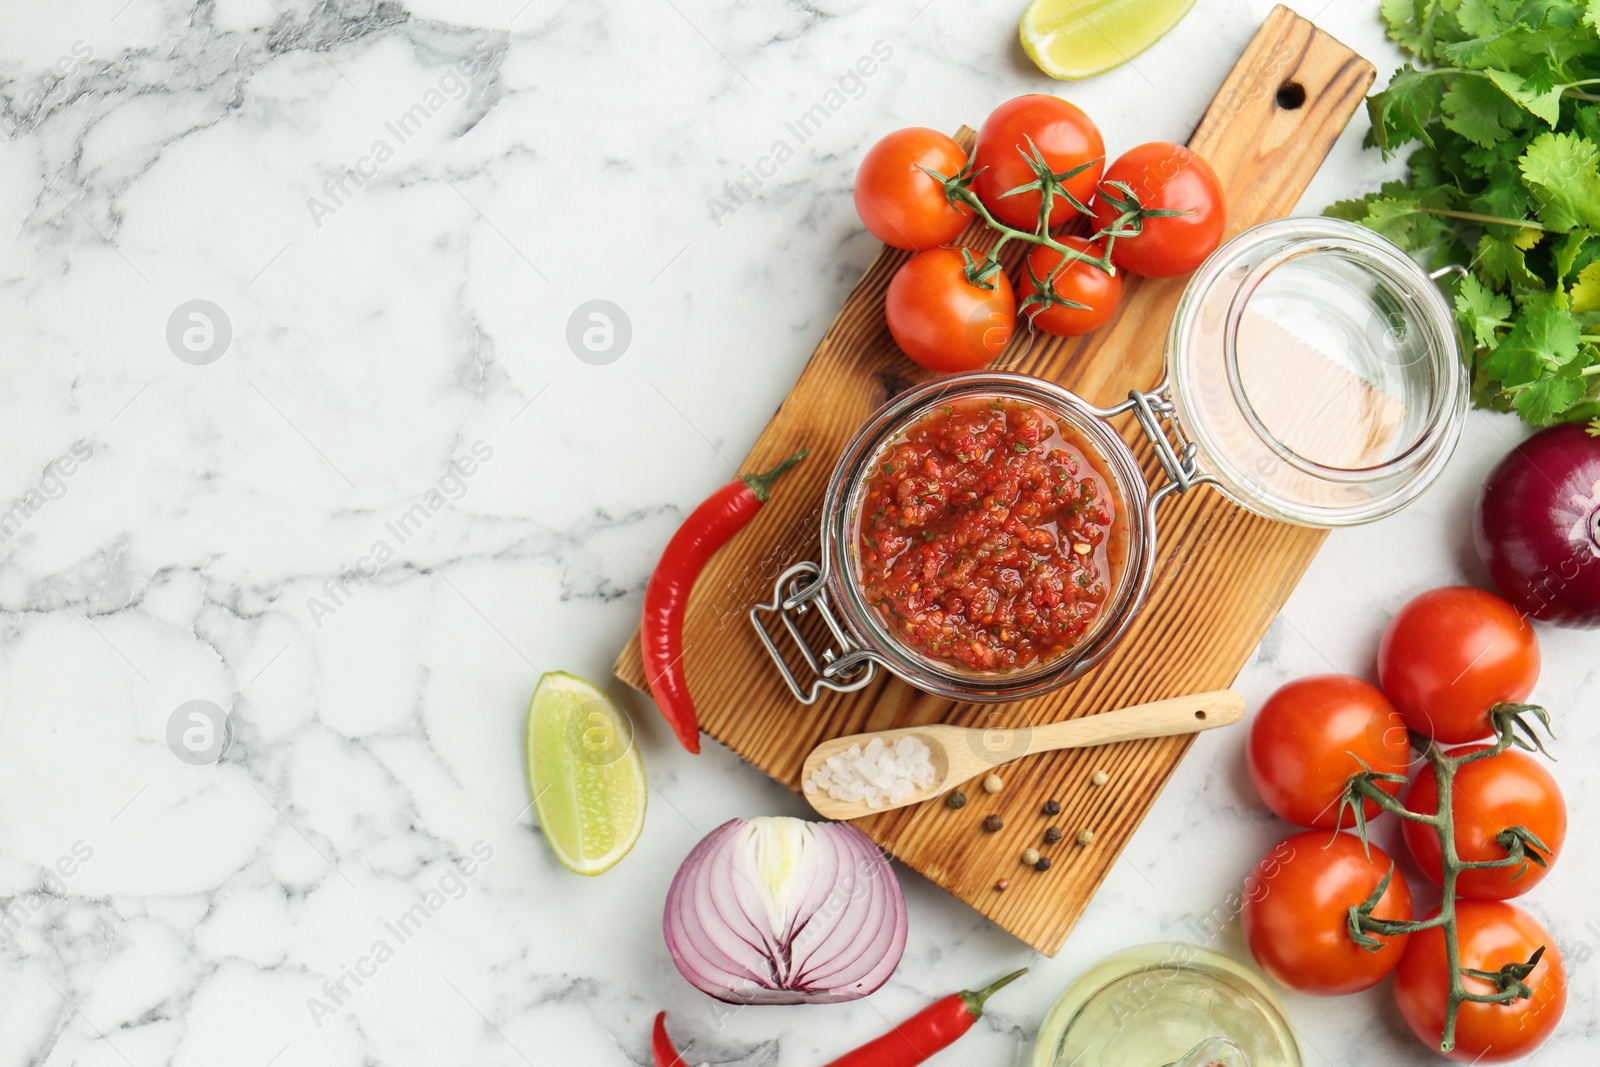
pixel 1318 370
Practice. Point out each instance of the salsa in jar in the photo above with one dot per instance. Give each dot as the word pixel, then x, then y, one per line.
pixel 985 538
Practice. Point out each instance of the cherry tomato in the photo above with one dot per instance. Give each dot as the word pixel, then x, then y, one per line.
pixel 1312 735
pixel 1065 136
pixel 1492 934
pixel 1489 795
pixel 1296 909
pixel 1452 654
pixel 943 321
pixel 1080 282
pixel 1167 177
pixel 898 202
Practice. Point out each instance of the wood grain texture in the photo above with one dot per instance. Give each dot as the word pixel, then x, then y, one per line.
pixel 1221 577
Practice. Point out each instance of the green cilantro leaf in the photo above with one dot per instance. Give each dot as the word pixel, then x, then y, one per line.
pixel 1406 21
pixel 1477 110
pixel 1563 170
pixel 1547 398
pixel 1480 18
pixel 1401 113
pixel 1545 338
pixel 1566 256
pixel 1504 259
pixel 1403 221
pixel 1505 196
pixel 1482 311
pixel 1537 97
pixel 1499 109
pixel 1586 290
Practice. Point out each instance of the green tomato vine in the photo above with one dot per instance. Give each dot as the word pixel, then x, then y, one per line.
pixel 1513 724
pixel 1050 186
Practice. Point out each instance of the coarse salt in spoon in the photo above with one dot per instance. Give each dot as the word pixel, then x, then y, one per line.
pixel 849 777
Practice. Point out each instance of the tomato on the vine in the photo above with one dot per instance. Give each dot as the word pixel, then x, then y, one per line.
pixel 1080 282
pixel 1450 655
pixel 1491 935
pixel 1312 735
pixel 1296 910
pixel 1164 177
pixel 943 321
pixel 1489 797
pixel 1065 136
pixel 900 204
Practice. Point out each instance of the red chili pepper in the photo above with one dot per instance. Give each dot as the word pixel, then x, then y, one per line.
pixel 933 1028
pixel 666 598
pixel 661 1045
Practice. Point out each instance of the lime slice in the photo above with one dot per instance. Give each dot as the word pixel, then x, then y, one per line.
pixel 1073 39
pixel 588 780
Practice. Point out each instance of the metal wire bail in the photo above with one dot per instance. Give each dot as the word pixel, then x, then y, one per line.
pixel 843 666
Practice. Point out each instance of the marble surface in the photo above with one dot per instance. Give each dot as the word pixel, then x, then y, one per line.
pixel 393 211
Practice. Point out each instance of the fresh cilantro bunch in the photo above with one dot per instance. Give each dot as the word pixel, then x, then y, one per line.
pixel 1505 102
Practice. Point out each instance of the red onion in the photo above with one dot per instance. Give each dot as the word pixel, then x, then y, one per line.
pixel 1538 526
pixel 784 911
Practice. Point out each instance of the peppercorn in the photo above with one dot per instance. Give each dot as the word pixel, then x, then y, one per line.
pixel 1099 778
pixel 1086 837
pixel 992 783
pixel 1052 835
pixel 958 799
pixel 994 824
pixel 1002 885
pixel 1030 856
pixel 1052 808
pixel 1043 864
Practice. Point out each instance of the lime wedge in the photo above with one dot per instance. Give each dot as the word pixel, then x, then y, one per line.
pixel 588 780
pixel 1072 39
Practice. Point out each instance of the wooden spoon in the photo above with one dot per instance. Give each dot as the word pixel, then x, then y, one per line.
pixel 960 753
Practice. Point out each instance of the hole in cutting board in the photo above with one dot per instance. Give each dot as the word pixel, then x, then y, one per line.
pixel 1291 96
pixel 1199 714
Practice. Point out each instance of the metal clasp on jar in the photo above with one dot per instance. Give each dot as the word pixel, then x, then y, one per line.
pixel 1177 461
pixel 843 667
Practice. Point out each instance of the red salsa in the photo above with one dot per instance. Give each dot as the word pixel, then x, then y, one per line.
pixel 985 537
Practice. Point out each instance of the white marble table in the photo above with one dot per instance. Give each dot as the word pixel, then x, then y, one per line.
pixel 395 208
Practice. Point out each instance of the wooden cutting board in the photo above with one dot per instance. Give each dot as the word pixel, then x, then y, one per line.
pixel 1221 577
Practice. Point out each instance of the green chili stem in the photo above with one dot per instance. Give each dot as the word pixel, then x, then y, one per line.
pixel 761 484
pixel 976 1000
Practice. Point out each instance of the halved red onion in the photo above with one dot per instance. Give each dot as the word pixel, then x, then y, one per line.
pixel 1538 526
pixel 784 911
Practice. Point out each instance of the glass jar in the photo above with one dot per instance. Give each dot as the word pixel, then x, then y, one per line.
pixel 1313 374
pixel 1164 1004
